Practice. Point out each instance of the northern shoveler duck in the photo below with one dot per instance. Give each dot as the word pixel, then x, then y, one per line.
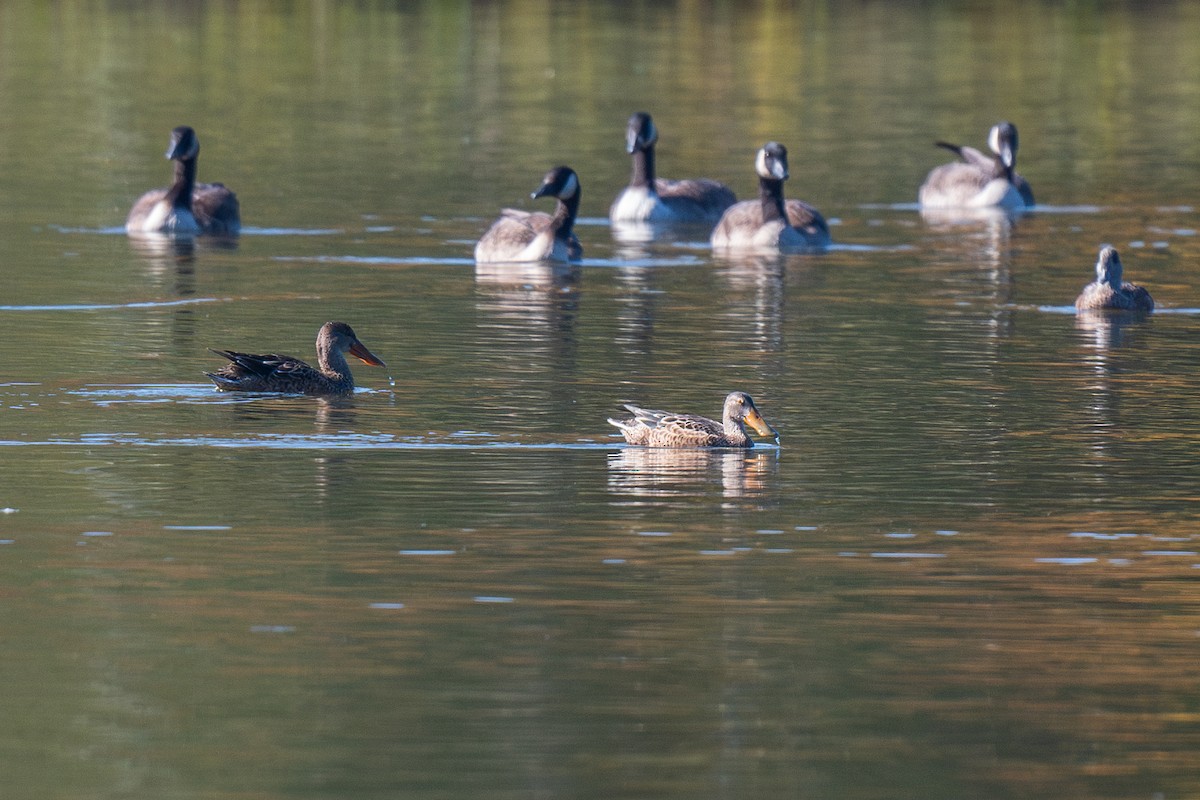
pixel 519 236
pixel 651 199
pixel 769 223
pixel 664 429
pixel 285 374
pixel 979 180
pixel 1109 291
pixel 185 207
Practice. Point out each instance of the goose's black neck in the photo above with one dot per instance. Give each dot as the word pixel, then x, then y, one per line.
pixel 1002 170
pixel 564 216
pixel 643 167
pixel 770 192
pixel 180 193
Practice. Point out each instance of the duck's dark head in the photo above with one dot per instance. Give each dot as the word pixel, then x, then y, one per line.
pixel 771 162
pixel 560 182
pixel 1108 267
pixel 340 337
pixel 1003 141
pixel 641 133
pixel 184 144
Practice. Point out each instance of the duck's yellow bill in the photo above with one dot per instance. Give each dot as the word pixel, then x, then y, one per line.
pixel 756 421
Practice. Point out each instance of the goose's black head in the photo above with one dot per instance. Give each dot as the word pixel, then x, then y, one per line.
pixel 184 144
pixel 771 162
pixel 1003 141
pixel 641 133
pixel 560 182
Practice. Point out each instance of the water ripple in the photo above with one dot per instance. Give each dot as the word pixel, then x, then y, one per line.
pixel 191 301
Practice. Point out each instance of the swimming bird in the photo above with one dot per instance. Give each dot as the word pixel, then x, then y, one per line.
pixel 651 199
pixel 769 223
pixel 279 373
pixel 979 180
pixel 185 207
pixel 535 236
pixel 1109 291
pixel 664 429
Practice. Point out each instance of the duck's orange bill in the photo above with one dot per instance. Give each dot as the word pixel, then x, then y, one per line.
pixel 364 355
pixel 759 424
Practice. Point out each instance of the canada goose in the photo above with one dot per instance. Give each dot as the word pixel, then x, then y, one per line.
pixel 651 199
pixel 185 207
pixel 979 180
pixel 278 373
pixel 533 235
pixel 664 429
pixel 1108 291
pixel 768 223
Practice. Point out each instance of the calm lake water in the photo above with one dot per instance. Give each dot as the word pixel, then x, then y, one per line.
pixel 971 569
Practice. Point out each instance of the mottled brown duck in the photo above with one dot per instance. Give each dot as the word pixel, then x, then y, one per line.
pixel 1109 291
pixel 273 372
pixel 664 429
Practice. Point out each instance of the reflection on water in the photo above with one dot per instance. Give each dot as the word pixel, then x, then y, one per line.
pixel 963 220
pixel 522 281
pixel 758 282
pixel 662 473
pixel 1106 330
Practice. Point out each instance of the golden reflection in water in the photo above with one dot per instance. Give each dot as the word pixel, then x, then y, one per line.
pixel 657 473
pixel 1103 331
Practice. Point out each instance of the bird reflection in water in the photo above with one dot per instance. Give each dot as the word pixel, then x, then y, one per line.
pixel 988 218
pixel 757 282
pixel 527 318
pixel 172 260
pixel 536 292
pixel 169 256
pixel 636 240
pixel 1105 333
pixel 652 473
pixel 1105 330
pixel 176 256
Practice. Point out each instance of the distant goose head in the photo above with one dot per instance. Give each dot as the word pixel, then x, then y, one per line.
pixel 771 163
pixel 641 133
pixel 1003 141
pixel 1109 269
pixel 560 182
pixel 184 146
